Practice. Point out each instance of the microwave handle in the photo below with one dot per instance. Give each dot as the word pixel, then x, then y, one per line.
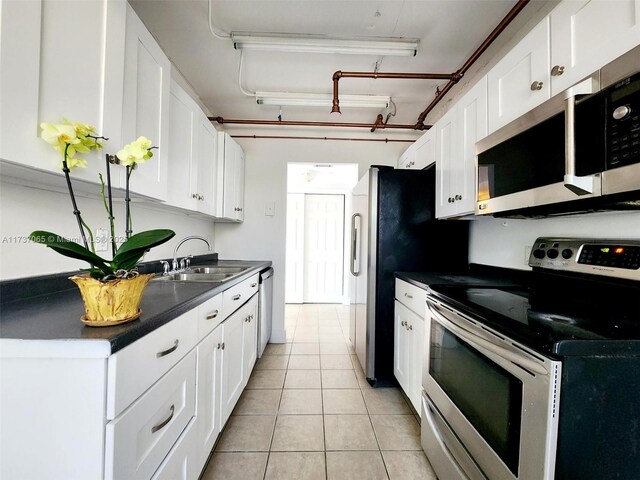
pixel 578 185
pixel 482 344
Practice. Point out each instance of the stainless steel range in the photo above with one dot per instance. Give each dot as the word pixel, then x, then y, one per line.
pixel 542 380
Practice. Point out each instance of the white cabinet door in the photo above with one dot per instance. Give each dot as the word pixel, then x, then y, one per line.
pixel 183 164
pixel 416 332
pixel 205 182
pixel 520 81
pixel 587 34
pixel 146 105
pixel 232 368
pixel 209 387
pixel 250 337
pixel 407 159
pixel 447 148
pixel 39 84
pixel 230 195
pixel 402 352
pixel 458 172
pixel 20 26
pixel 425 150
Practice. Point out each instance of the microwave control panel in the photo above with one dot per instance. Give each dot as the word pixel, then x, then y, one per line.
pixel 613 258
pixel 623 122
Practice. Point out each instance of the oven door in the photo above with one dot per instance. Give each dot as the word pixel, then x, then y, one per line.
pixel 490 399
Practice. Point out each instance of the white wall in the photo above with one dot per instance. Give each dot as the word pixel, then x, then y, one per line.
pixel 24 209
pixel 503 242
pixel 262 237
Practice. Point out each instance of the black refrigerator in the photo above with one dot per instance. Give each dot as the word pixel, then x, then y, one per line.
pixel 394 229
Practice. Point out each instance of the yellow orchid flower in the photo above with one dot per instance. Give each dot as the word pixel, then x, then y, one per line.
pixel 136 152
pixel 58 136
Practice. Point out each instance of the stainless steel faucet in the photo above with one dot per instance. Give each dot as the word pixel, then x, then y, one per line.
pixel 183 264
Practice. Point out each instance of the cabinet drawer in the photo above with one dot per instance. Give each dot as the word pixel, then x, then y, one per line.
pixel 237 295
pixel 132 370
pixel 138 440
pixel 412 297
pixel 181 462
pixel 209 316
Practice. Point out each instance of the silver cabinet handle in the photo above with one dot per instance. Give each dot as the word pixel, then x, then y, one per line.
pixel 254 285
pixel 222 346
pixel 168 350
pixel 535 86
pixel 194 195
pixel 355 240
pixel 163 423
pixel 458 197
pixel 218 346
pixel 246 319
pixel 236 297
pixel 557 70
pixel 409 327
pixel 407 295
pixel 213 315
pixel 403 323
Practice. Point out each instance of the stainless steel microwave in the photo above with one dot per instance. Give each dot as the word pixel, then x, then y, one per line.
pixel 578 151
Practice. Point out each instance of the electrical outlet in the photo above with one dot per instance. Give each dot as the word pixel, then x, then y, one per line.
pixel 101 240
pixel 527 254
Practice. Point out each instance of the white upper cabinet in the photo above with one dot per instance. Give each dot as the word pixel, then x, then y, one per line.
pixel 40 83
pixel 587 34
pixel 425 150
pixel 456 135
pixel 147 72
pixel 420 154
pixel 205 182
pixel 182 148
pixel 520 81
pixel 230 193
pixel 192 154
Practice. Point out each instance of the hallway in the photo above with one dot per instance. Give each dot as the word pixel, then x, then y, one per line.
pixel 308 413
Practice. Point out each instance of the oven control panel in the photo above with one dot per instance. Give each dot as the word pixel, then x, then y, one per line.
pixel 613 258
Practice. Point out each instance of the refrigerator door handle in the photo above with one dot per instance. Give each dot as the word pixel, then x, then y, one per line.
pixel 355 244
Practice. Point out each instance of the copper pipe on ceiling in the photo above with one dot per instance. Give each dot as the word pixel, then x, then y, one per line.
pixel 344 139
pixel 517 8
pixel 376 75
pixel 289 123
pixel 453 78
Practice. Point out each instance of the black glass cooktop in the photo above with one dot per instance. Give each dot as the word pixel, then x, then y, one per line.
pixel 571 321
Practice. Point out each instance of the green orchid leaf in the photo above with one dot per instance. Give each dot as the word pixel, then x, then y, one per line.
pixel 70 249
pixel 132 250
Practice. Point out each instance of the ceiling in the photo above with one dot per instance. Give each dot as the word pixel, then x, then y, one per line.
pixel 449 31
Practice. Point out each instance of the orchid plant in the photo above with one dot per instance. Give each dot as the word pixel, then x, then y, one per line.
pixel 69 139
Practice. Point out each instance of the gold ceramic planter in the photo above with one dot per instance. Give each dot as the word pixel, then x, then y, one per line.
pixel 113 302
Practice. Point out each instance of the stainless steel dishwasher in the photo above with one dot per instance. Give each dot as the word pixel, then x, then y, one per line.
pixel 265 305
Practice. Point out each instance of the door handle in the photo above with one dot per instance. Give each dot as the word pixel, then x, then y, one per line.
pixel 168 350
pixel 354 245
pixel 578 185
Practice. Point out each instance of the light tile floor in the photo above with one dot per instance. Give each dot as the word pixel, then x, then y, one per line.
pixel 309 413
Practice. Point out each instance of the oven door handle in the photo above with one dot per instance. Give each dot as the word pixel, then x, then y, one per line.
pixel 482 344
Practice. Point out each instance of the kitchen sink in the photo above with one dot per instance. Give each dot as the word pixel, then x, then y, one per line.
pixel 212 274
pixel 217 270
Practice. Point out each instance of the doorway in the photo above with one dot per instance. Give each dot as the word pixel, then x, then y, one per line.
pixel 317 201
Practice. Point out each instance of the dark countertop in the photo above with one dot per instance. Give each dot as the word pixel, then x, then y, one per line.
pixel 477 275
pixel 55 314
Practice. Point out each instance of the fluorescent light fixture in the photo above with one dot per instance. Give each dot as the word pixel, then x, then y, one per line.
pixel 320 100
pixel 322 44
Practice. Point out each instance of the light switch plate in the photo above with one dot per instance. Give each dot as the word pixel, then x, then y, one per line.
pixel 270 209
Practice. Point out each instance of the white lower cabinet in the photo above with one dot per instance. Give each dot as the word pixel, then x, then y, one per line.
pixel 140 438
pixel 409 340
pixel 208 424
pixel 152 410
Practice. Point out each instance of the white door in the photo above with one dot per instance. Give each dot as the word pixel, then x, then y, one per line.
pixel 295 248
pixel 323 248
